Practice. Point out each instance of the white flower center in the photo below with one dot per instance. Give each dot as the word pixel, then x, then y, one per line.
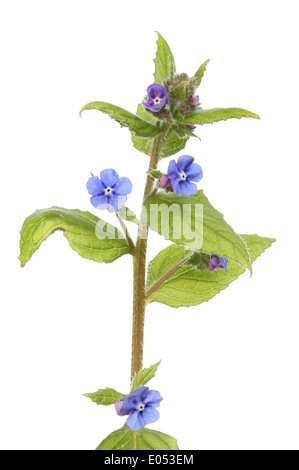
pixel 108 191
pixel 183 176
pixel 140 406
pixel 157 100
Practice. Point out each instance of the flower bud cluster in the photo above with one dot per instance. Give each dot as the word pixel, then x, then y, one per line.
pixel 206 262
pixel 181 95
pixel 176 98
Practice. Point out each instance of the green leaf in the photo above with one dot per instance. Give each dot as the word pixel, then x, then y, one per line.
pixel 144 376
pixel 193 222
pixel 156 174
pixel 165 261
pixel 137 125
pixel 145 439
pixel 140 143
pixel 200 72
pixel 126 214
pixel 186 286
pixel 209 116
pixel 256 245
pixel 164 61
pixel 172 145
pixel 105 397
pixel 82 230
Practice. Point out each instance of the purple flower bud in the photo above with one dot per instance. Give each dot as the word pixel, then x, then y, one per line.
pixel 191 127
pixel 218 262
pixel 118 407
pixel 165 113
pixel 165 182
pixel 157 97
pixel 194 100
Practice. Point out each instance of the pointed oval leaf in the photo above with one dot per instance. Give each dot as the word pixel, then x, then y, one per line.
pixel 193 222
pixel 83 231
pixel 200 72
pixel 186 286
pixel 209 116
pixel 139 126
pixel 106 397
pixel 145 439
pixel 144 376
pixel 164 61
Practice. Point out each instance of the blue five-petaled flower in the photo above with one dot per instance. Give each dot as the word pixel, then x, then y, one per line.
pixel 182 172
pixel 141 406
pixel 157 97
pixel 109 192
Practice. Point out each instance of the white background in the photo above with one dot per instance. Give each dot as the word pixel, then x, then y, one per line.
pixel 229 372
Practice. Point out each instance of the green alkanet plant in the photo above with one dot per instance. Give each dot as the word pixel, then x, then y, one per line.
pixel 205 254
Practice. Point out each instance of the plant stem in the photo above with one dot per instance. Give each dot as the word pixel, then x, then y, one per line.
pixel 139 304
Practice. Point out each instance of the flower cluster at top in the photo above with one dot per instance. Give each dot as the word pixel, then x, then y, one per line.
pixel 109 192
pixel 176 98
pixel 141 407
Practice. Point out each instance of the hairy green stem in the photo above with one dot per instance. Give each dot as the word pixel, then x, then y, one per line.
pixel 139 300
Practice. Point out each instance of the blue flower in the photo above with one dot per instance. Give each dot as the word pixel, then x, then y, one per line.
pixel 218 262
pixel 157 97
pixel 141 406
pixel 182 173
pixel 109 192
